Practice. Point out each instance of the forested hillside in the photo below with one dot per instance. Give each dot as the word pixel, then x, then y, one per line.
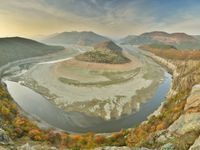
pixel 16 48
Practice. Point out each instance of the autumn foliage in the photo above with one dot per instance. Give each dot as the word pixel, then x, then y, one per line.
pixel 173 53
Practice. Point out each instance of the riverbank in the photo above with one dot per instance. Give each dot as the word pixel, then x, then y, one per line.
pixel 176 120
pixel 78 122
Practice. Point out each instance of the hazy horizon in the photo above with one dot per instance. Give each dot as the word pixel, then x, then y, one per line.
pixel 112 18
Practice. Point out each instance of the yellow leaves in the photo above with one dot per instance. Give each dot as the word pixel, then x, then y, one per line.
pixel 19 121
pixel 5 111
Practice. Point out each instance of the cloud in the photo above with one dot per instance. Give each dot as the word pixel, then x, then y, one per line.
pixel 110 17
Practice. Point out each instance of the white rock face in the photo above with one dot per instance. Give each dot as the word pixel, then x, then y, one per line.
pixel 194 99
pixel 186 123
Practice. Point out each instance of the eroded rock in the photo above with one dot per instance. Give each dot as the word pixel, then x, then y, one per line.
pixel 193 101
pixel 186 123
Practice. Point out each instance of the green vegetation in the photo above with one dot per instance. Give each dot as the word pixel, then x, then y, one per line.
pixel 101 57
pixel 105 52
pixel 16 48
pixel 162 46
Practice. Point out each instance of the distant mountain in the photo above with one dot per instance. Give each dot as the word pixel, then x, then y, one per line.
pixel 174 38
pixel 80 38
pixel 179 40
pixel 104 52
pixel 15 48
pixel 137 40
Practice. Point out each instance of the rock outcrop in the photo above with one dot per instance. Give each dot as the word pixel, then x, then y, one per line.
pixel 4 138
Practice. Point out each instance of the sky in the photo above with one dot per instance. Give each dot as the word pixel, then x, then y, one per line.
pixel 113 18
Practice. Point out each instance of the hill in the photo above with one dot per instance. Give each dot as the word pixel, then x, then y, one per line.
pixel 137 40
pixel 174 38
pixel 179 40
pixel 104 52
pixel 80 38
pixel 15 48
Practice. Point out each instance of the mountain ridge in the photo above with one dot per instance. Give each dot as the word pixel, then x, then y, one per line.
pixel 178 39
pixel 85 38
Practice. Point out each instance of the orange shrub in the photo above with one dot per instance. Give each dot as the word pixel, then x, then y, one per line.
pixel 76 137
pixel 35 134
pixel 161 126
pixel 100 139
pixel 19 121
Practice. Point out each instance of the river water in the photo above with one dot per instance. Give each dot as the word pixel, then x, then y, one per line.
pixel 42 109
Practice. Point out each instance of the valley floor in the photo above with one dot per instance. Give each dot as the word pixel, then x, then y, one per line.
pixel 102 90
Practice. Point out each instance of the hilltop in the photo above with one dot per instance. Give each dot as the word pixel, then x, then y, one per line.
pixel 104 52
pixel 15 48
pixel 84 38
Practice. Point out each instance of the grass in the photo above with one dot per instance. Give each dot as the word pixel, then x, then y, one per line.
pixel 114 78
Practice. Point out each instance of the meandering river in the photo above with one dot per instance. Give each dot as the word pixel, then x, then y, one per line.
pixel 42 109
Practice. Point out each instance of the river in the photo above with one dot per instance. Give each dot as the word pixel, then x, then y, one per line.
pixel 42 109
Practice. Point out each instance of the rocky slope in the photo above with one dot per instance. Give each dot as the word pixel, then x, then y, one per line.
pixel 177 124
